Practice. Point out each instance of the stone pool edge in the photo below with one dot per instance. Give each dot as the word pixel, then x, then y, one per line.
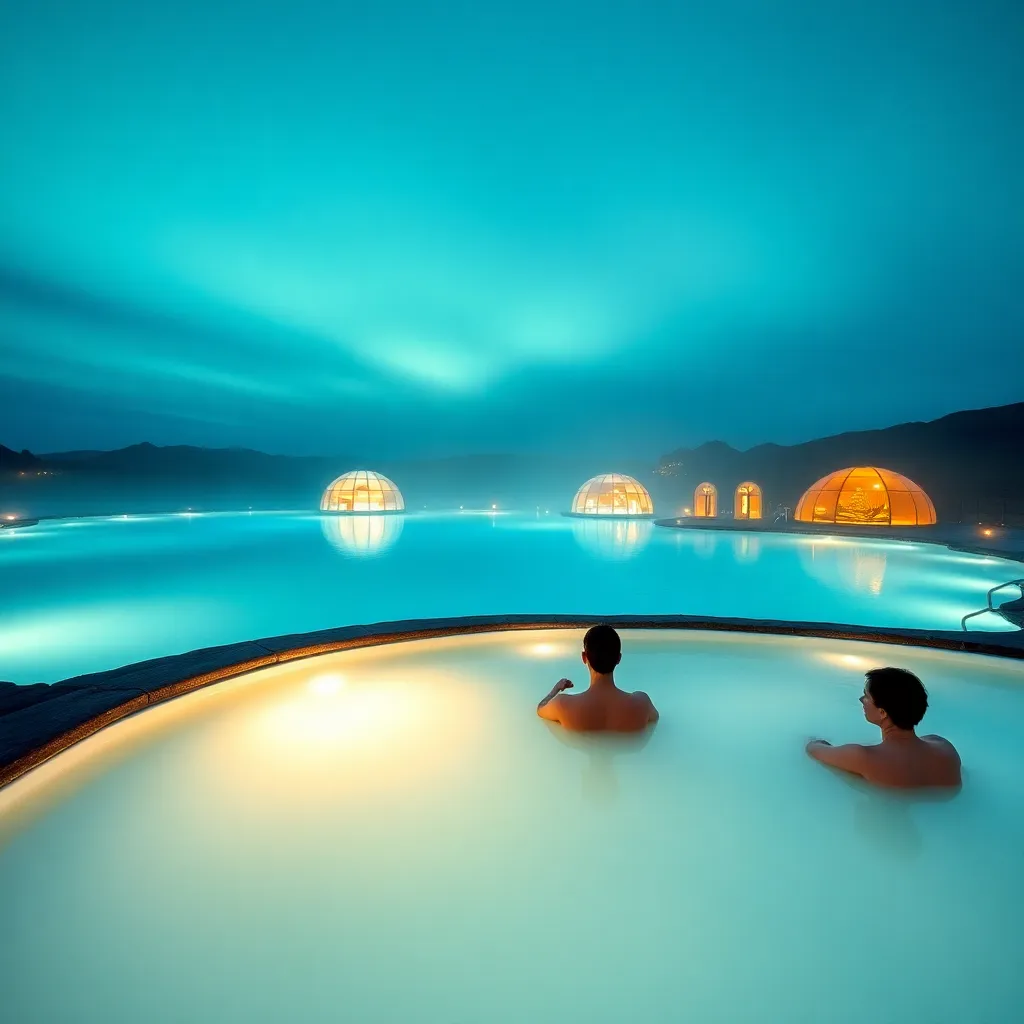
pixel 44 719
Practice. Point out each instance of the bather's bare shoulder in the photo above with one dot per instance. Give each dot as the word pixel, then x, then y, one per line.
pixel 642 700
pixel 940 743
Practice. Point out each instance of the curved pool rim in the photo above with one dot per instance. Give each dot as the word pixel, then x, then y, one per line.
pixel 59 715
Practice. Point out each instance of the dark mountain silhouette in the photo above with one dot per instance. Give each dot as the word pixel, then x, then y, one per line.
pixel 146 477
pixel 964 461
pixel 147 459
pixel 12 461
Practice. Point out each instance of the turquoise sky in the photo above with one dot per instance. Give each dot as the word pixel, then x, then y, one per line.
pixel 407 229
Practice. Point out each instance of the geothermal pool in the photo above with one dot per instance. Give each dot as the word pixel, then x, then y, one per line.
pixel 391 835
pixel 83 595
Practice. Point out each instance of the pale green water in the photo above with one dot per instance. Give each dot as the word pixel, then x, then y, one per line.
pixel 392 835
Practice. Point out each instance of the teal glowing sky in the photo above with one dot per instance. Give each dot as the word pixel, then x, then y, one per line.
pixel 413 229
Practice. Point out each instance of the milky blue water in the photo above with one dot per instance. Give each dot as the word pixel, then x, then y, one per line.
pixel 392 835
pixel 90 594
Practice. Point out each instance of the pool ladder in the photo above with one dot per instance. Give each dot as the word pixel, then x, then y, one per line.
pixel 1012 611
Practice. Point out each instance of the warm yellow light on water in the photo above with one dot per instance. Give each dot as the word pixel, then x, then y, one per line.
pixel 854 661
pixel 543 650
pixel 328 714
pixel 326 683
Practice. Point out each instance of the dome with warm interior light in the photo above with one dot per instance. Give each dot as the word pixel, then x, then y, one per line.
pixel 865 496
pixel 362 491
pixel 613 494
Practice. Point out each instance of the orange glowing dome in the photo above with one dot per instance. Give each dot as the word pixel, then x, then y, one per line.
pixel 865 496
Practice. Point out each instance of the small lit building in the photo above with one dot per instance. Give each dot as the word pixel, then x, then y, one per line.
pixel 362 491
pixel 705 501
pixel 865 496
pixel 749 501
pixel 613 494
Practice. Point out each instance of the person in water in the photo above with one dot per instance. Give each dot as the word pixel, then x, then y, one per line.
pixel 602 707
pixel 895 701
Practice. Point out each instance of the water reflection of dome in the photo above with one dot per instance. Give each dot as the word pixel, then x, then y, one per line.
pixel 612 539
pixel 845 566
pixel 362 536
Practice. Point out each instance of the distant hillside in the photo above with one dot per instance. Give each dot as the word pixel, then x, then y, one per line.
pixel 150 460
pixel 510 481
pixel 12 461
pixel 961 460
pixel 964 461
pixel 456 480
pixel 145 477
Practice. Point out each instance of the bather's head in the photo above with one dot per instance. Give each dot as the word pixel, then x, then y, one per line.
pixel 602 649
pixel 894 696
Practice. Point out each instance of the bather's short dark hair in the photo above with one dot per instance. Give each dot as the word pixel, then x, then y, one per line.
pixel 900 694
pixel 603 647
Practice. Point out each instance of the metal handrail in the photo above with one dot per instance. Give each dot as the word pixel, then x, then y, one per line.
pixel 990 607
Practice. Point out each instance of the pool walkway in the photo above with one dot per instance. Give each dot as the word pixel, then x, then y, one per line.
pixel 39 721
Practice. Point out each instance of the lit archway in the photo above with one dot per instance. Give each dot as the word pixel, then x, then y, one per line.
pixel 705 501
pixel 749 502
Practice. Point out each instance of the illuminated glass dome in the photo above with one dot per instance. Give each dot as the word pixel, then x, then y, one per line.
pixel 865 496
pixel 612 494
pixel 362 491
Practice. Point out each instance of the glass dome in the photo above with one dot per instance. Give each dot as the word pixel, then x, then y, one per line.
pixel 362 491
pixel 867 496
pixel 613 494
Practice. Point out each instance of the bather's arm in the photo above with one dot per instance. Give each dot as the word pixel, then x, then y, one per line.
pixel 850 757
pixel 549 708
